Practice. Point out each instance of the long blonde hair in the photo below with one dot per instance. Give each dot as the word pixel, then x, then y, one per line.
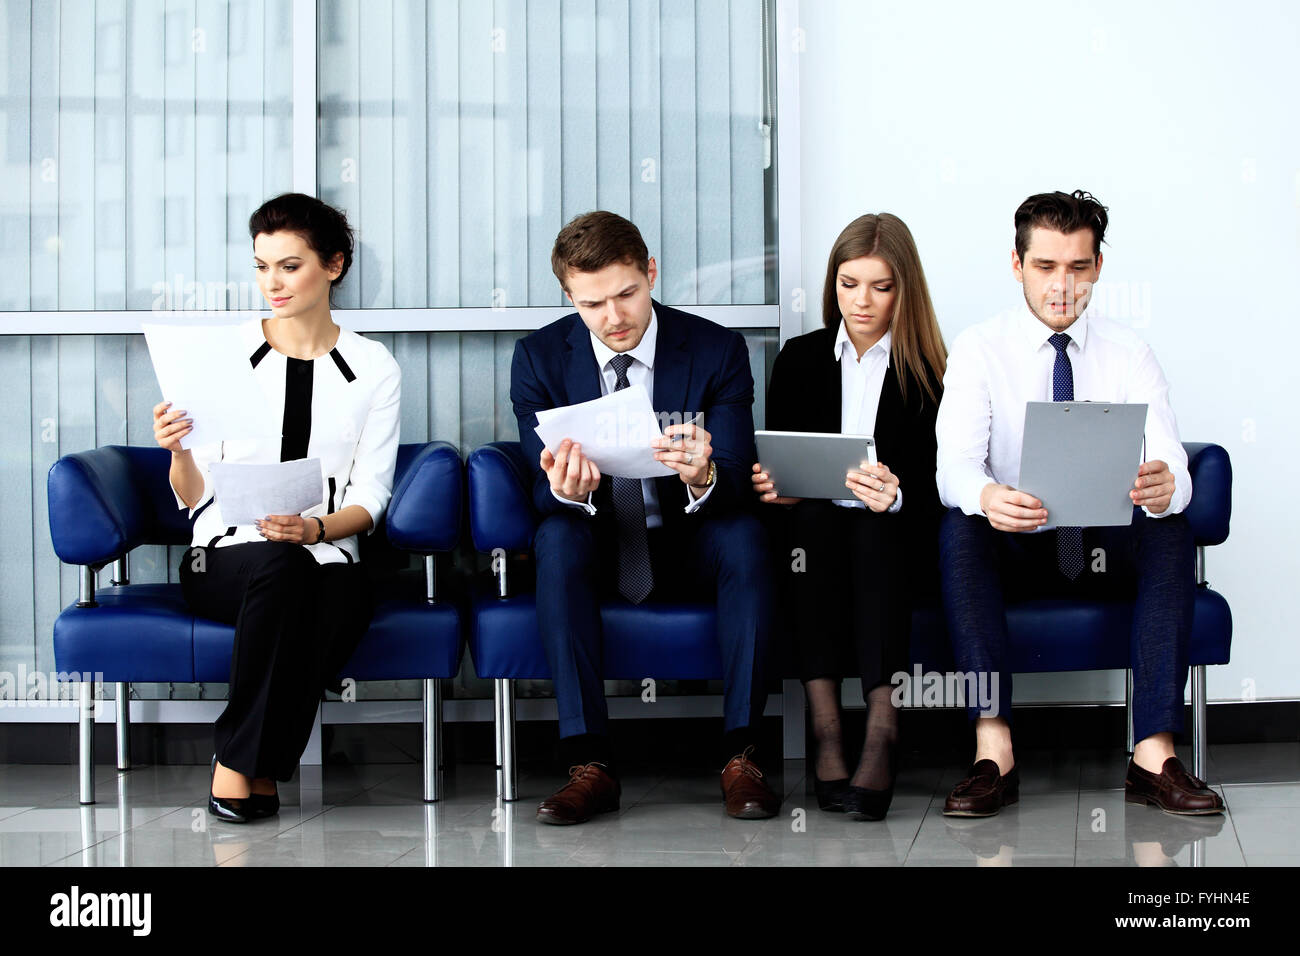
pixel 917 350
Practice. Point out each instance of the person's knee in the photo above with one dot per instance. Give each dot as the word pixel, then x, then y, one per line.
pixel 285 565
pixel 566 541
pixel 959 532
pixel 740 544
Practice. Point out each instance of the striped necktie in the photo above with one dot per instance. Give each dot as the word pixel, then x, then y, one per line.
pixel 635 576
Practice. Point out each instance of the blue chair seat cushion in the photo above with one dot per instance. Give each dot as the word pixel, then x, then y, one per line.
pixel 145 632
pixel 678 641
pixel 1067 635
pixel 664 640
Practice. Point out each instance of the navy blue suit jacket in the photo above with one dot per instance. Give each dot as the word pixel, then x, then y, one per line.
pixel 700 367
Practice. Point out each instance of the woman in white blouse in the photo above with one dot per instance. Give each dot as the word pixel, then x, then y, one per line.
pixel 290 584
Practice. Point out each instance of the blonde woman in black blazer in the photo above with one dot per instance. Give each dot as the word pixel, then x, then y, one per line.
pixel 875 369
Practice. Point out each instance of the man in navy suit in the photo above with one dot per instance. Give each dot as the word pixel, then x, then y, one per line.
pixel 606 538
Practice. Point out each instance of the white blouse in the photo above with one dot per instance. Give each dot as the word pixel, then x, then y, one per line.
pixel 341 408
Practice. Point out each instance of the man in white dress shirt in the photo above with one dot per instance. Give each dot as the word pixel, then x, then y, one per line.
pixel 991 544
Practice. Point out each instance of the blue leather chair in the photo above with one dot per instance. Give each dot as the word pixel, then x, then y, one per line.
pixel 105 502
pixel 677 640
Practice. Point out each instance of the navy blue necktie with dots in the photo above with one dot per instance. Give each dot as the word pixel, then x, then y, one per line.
pixel 635 576
pixel 1069 541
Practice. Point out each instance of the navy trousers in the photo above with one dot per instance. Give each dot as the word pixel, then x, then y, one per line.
pixel 1150 561
pixel 723 558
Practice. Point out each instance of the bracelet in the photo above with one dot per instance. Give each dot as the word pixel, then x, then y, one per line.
pixel 320 537
pixel 713 476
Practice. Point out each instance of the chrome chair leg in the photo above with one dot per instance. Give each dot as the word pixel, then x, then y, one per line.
pixel 86 741
pixel 432 740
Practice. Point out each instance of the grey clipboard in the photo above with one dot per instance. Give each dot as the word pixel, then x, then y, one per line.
pixel 812 464
pixel 1081 459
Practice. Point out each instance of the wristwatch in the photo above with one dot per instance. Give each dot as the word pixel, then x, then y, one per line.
pixel 713 475
pixel 321 535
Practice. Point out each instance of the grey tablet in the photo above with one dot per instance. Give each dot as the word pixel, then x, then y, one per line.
pixel 812 464
pixel 1081 459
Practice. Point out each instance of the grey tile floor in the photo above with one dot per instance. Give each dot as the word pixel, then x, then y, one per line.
pixel 1071 812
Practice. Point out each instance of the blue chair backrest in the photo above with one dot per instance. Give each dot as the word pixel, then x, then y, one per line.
pixel 110 500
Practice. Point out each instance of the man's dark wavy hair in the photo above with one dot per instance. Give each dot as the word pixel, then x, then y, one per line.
pixel 1063 212
pixel 321 226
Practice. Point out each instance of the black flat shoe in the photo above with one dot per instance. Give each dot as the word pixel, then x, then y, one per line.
pixel 230 809
pixel 863 804
pixel 830 793
pixel 260 805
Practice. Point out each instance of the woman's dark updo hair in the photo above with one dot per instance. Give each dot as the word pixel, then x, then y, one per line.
pixel 321 226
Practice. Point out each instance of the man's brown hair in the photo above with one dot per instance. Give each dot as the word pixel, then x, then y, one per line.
pixel 594 240
pixel 1061 212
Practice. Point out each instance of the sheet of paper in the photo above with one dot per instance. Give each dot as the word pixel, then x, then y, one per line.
pixel 249 493
pixel 615 432
pixel 205 371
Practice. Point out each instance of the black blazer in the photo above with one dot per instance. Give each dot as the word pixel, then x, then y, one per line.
pixel 700 368
pixel 803 394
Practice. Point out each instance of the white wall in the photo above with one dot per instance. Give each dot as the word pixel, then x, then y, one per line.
pixel 1182 118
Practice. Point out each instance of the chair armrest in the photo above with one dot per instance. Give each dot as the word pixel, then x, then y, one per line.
pixel 1210 510
pixel 424 512
pixel 501 513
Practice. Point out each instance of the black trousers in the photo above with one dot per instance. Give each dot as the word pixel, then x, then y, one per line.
pixel 847 571
pixel 296 624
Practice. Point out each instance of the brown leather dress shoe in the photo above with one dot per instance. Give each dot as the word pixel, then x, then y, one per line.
pixel 590 790
pixel 984 792
pixel 744 790
pixel 1173 790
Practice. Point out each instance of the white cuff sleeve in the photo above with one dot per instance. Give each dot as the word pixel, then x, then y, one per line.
pixel 591 509
pixel 692 503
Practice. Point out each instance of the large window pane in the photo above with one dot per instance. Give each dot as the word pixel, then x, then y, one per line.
pixel 136 138
pixel 460 137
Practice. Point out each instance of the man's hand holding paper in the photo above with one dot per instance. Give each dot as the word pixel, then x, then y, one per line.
pixel 613 435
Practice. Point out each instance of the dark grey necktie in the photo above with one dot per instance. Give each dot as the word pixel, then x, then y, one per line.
pixel 635 577
pixel 1069 541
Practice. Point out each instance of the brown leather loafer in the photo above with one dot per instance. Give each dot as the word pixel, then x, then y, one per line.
pixel 984 792
pixel 590 790
pixel 1173 790
pixel 745 792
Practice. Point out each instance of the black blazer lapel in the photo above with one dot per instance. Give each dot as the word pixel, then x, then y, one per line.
pixel 827 414
pixel 889 418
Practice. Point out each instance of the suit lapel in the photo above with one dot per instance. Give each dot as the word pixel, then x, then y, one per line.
pixel 827 413
pixel 888 416
pixel 581 374
pixel 672 369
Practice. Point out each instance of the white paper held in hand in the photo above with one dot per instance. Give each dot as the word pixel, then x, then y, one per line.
pixel 204 370
pixel 248 493
pixel 615 432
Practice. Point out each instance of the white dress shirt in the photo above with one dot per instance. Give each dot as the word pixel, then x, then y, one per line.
pixel 640 372
pixel 861 381
pixel 995 367
pixel 353 431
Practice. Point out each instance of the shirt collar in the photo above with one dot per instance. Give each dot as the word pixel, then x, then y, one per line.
pixel 844 345
pixel 1037 333
pixel 643 353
